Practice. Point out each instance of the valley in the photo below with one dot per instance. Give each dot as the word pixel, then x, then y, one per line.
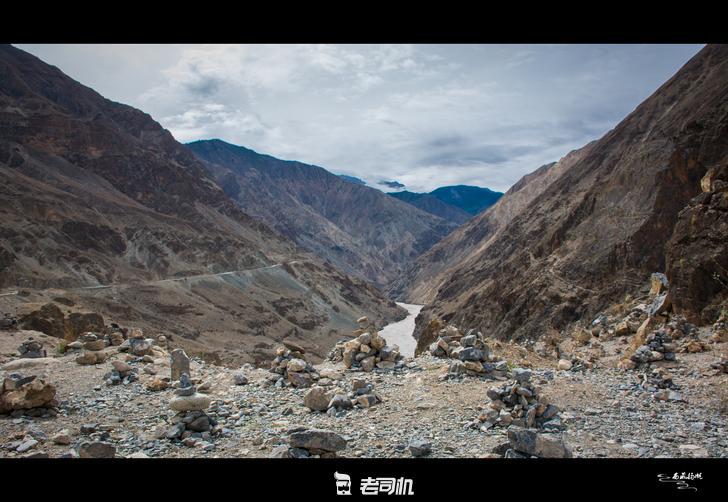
pixel 202 299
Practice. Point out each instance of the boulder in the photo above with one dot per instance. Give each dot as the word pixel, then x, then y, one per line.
pixel 317 399
pixel 24 393
pixel 318 439
pixel 538 444
pixel 97 449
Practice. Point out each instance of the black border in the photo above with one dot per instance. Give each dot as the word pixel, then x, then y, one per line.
pixel 137 22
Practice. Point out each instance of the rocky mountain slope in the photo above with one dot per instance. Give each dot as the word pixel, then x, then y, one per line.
pixel 362 231
pixel 96 193
pixel 594 231
pixel 431 204
pixel 419 284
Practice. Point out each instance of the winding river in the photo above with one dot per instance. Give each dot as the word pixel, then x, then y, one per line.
pixel 400 332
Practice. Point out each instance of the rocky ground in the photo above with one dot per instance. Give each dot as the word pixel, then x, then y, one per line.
pixel 606 411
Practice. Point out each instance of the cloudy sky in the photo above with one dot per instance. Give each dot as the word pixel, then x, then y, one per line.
pixel 423 115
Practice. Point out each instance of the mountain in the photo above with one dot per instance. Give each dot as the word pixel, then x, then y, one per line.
pixel 104 210
pixel 470 199
pixel 431 204
pixel 360 230
pixel 581 234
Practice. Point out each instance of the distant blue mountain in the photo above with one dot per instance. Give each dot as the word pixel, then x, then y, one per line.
pixel 470 199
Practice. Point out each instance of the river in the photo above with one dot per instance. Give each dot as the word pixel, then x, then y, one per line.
pixel 400 332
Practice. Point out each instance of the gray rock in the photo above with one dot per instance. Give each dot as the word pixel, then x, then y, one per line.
pixel 471 354
pixel 98 449
pixel 26 445
pixel 240 379
pixel 537 444
pixel 317 399
pixel 180 363
pixel 317 438
pixel 419 447
pixel 522 375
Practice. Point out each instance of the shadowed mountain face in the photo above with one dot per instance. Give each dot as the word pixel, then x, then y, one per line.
pixel 93 192
pixel 433 205
pixel 470 199
pixel 573 237
pixel 362 231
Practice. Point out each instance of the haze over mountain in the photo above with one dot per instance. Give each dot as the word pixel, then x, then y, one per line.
pixel 359 229
pixel 95 193
pixel 582 233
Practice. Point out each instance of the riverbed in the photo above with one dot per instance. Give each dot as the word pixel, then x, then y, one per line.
pixel 400 332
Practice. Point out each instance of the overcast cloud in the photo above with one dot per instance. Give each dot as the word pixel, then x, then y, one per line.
pixel 423 115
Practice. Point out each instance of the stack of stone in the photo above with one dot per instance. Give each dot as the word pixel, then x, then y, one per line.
pixel 136 344
pixel 368 350
pixel 658 378
pixel 115 338
pixel 292 368
pixel 30 395
pixel 190 423
pixel 659 382
pixel 658 346
pixel 31 349
pixel 472 355
pixel 310 443
pixel 518 403
pixel 93 349
pixel 122 373
pixel 361 395
pixel 8 322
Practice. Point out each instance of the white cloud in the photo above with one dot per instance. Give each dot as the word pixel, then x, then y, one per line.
pixel 424 115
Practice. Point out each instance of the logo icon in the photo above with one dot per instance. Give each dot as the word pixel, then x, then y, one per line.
pixel 343 484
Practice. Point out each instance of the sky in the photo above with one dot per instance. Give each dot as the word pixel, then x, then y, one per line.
pixel 422 115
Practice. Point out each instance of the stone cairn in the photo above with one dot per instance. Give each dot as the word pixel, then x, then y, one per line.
pixel 518 403
pixel 659 382
pixel 310 443
pixel 290 368
pixel 472 355
pixel 31 349
pixel 335 400
pixel 32 396
pixel 137 345
pixel 190 423
pixel 368 350
pixel 93 349
pixel 121 373
pixel 179 365
pixel 658 346
pixel 8 322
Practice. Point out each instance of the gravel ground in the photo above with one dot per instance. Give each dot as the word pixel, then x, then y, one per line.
pixel 605 410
